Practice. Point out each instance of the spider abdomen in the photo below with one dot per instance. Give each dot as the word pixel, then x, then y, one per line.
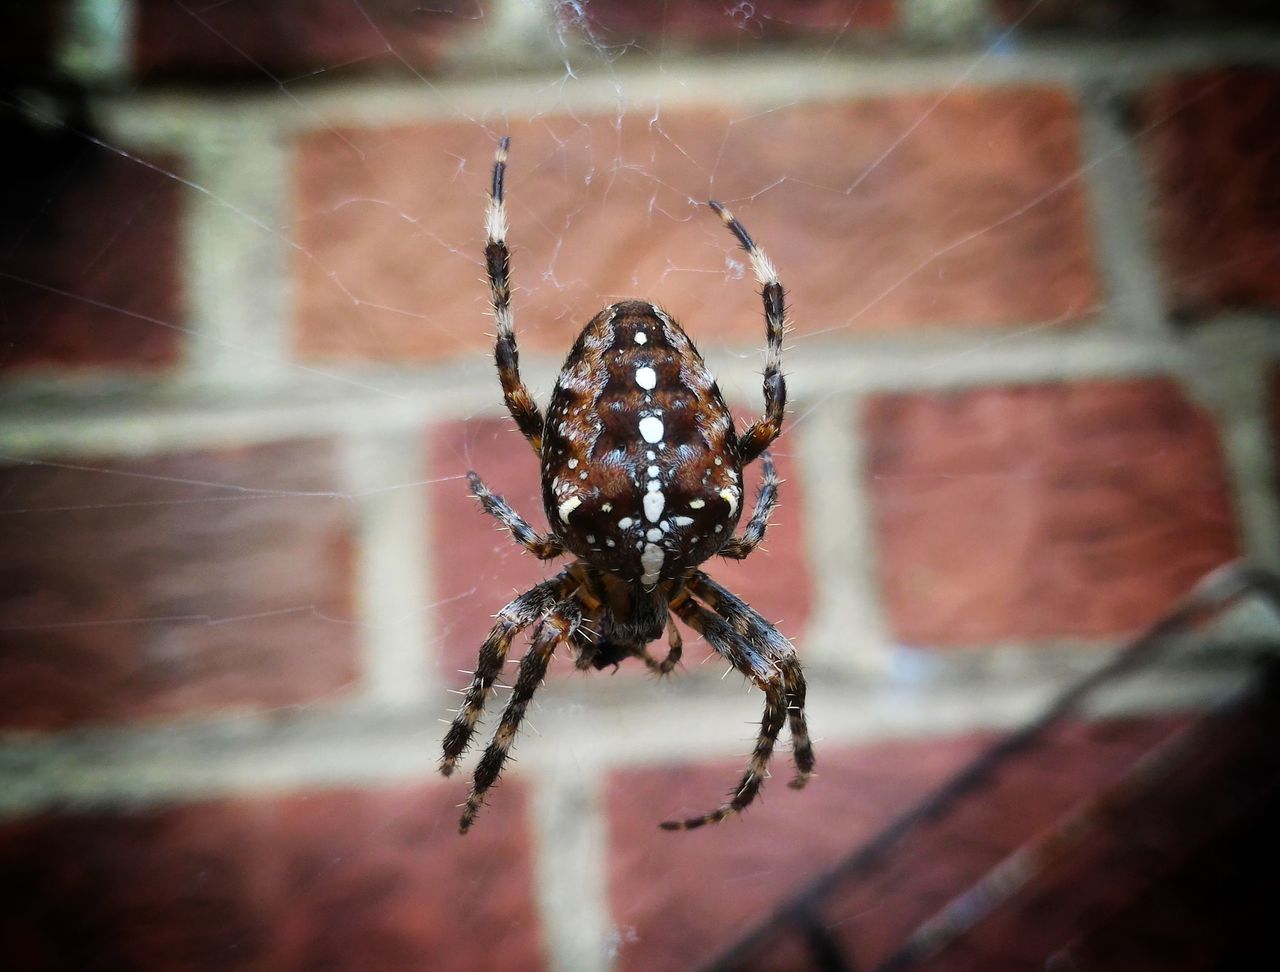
pixel 640 475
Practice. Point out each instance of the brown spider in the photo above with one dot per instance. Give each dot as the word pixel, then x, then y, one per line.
pixel 641 482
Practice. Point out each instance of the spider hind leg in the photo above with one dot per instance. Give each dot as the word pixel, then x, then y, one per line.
pixel 512 619
pixel 745 619
pixel 560 625
pixel 755 648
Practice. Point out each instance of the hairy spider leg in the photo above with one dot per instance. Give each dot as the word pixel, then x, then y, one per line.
pixel 542 546
pixel 533 604
pixel 744 618
pixel 556 627
pixel 497 260
pixel 756 649
pixel 737 548
pixel 761 433
pixel 721 637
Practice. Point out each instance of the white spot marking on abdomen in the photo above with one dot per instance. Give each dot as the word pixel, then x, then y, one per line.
pixel 651 559
pixel 651 429
pixel 568 506
pixel 653 504
pixel 730 496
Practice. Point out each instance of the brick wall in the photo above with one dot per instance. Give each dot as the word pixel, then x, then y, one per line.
pixel 1033 266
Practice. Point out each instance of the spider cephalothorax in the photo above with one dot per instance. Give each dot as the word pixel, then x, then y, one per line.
pixel 641 482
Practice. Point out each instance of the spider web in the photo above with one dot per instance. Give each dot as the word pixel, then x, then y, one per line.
pixel 633 126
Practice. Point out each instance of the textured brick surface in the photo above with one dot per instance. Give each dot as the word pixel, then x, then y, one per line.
pixel 479 569
pixel 1128 853
pixel 289 39
pixel 866 909
pixel 375 879
pixel 680 898
pixel 173 585
pixel 732 24
pixel 1022 796
pixel 1076 509
pixel 974 219
pixel 88 250
pixel 1214 151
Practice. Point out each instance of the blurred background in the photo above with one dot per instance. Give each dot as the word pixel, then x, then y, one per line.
pixel 1032 249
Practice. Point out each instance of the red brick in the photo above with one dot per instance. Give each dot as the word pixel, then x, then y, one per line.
pixel 869 904
pixel 1061 510
pixel 715 21
pixel 288 39
pixel 688 895
pixel 475 568
pixel 173 585
pixel 1022 795
pixel 1137 837
pixel 478 569
pixel 375 879
pixel 1213 149
pixel 975 219
pixel 89 252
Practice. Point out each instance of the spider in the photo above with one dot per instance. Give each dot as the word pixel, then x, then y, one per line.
pixel 641 483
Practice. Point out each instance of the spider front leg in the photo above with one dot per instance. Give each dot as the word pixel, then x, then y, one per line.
pixel 541 546
pixel 512 619
pixel 497 259
pixel 755 648
pixel 560 625
pixel 763 431
pixel 737 548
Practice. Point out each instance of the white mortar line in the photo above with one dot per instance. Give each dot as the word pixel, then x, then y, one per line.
pixel 596 731
pixel 572 867
pixel 97 41
pixel 237 278
pixel 941 20
pixel 42 419
pixel 1121 209
pixel 757 80
pixel 848 629
pixel 1230 375
pixel 519 35
pixel 392 587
